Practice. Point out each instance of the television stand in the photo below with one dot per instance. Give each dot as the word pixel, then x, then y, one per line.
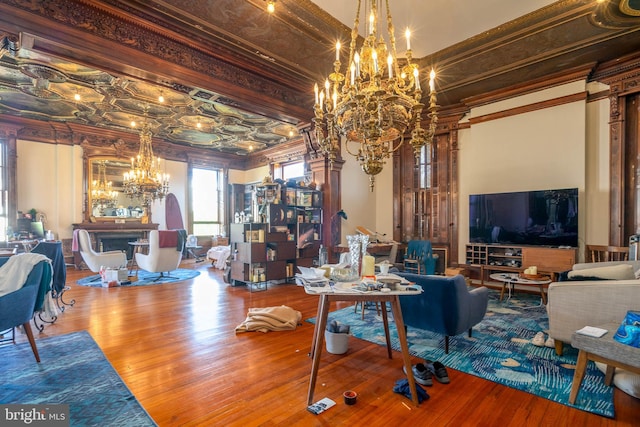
pixel 488 258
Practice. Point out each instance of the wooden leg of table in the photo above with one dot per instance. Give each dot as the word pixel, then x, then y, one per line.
pixel 406 357
pixel 321 323
pixel 543 295
pixel 385 321
pixel 315 329
pixel 578 375
pixel 502 290
pixel 608 376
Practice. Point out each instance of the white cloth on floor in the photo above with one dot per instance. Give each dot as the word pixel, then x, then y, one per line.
pixel 219 254
pixel 267 319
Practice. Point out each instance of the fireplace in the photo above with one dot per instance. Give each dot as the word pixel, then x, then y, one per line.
pixel 117 242
pixel 112 236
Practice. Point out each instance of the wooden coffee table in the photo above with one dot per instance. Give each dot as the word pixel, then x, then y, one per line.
pixel 509 280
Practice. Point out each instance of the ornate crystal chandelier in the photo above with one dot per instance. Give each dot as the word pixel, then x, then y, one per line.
pixel 102 194
pixel 375 102
pixel 145 180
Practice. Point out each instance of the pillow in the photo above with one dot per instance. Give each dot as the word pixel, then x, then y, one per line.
pixel 614 272
pixel 624 380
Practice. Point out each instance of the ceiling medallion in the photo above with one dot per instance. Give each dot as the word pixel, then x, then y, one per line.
pixel 375 101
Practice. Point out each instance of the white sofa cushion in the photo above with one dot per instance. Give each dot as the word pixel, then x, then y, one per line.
pixel 613 272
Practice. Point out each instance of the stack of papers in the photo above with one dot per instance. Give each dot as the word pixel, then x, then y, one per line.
pixel 313 277
pixel 592 331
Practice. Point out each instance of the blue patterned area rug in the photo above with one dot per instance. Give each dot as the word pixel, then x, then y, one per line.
pixel 145 278
pixel 73 371
pixel 499 350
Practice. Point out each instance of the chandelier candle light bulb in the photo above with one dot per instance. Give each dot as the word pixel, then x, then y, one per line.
pixel 432 77
pixel 407 34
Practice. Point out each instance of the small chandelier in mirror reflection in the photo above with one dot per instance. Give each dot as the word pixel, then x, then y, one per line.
pixel 374 101
pixel 102 194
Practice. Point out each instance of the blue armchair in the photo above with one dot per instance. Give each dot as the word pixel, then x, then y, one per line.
pixel 446 306
pixel 419 258
pixel 17 307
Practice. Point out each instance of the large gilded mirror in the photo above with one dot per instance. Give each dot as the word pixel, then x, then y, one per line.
pixel 106 193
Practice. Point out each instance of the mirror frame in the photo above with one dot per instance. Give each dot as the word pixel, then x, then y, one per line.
pixel 90 176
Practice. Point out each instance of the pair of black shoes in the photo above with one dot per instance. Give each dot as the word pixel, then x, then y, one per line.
pixel 424 373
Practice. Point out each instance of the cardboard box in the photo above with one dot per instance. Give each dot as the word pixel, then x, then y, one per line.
pixel 115 274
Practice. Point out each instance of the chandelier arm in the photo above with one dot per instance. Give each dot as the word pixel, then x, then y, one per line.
pixel 393 149
pixel 392 37
pixel 346 147
pixel 354 37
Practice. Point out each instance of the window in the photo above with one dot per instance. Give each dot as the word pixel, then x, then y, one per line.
pixel 207 201
pixel 288 171
pixel 425 166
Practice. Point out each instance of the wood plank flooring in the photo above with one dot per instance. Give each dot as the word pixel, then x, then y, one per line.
pixel 175 347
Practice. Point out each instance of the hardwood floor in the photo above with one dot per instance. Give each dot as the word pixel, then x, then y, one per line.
pixel 174 346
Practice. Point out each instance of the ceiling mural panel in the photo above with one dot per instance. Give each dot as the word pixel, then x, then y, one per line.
pixel 48 90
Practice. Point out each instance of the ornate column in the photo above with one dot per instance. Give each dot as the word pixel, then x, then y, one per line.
pixel 328 178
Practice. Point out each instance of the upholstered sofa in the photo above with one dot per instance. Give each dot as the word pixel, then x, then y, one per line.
pixel 575 304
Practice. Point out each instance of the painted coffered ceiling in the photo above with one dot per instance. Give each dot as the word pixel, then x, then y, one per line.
pixel 46 88
pixel 238 81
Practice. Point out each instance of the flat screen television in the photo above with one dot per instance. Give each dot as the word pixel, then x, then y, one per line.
pixel 539 218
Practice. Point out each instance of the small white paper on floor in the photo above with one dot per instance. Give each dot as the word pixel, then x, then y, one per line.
pixel 321 406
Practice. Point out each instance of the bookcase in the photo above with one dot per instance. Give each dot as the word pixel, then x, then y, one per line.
pixel 288 234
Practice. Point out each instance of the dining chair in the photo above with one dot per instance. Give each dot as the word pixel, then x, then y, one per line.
pixel 604 253
pixel 419 258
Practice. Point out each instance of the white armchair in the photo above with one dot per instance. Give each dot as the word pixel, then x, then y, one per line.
pixel 93 259
pixel 165 252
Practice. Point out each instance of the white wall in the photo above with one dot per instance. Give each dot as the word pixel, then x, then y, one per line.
pixel 178 185
pixel 384 224
pixel 597 156
pixel 358 202
pixel 49 179
pixel 537 150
